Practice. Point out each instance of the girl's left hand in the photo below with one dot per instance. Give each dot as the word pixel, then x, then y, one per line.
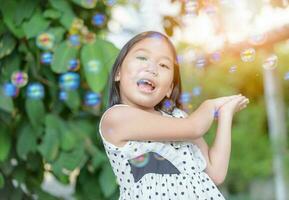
pixel 235 105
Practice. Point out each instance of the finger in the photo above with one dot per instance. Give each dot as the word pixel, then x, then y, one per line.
pixel 242 107
pixel 244 101
pixel 234 97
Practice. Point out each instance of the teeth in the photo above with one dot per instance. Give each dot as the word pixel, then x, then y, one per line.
pixel 147 82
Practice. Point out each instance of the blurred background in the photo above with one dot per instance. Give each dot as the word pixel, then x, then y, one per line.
pixel 55 59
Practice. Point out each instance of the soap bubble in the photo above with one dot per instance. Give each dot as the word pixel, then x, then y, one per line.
pixel 10 90
pixel 69 81
pixel 270 62
pixel 248 55
pixel 35 91
pixel 45 41
pixel 19 79
pixel 92 99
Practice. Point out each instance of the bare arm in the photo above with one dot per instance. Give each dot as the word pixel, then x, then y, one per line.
pixel 128 123
pixel 218 156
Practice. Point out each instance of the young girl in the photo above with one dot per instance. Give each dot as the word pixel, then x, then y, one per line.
pixel 156 150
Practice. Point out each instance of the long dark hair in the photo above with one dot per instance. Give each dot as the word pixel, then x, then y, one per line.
pixel 114 93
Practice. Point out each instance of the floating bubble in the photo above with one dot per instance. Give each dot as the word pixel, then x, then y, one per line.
pixel 10 90
pixel 92 99
pixel 190 55
pixel 109 2
pixel 45 41
pixel 248 55
pixel 84 30
pixel 89 37
pixel 191 8
pixel 46 58
pixel 98 19
pixel 210 10
pixel 233 68
pixel 19 79
pixel 216 114
pixel 270 62
pixel 77 24
pixel 35 91
pixel 141 160
pixel 200 62
pixel 286 76
pixel 74 40
pixel 185 97
pixel 69 81
pixel 63 95
pixel 258 39
pixel 93 66
pixel 197 91
pixel 73 64
pixel 180 58
pixel 215 57
pixel 168 103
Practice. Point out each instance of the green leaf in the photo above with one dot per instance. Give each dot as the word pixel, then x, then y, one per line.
pixel 6 103
pixel 5 144
pixel 19 173
pixel 50 145
pixel 98 159
pixel 96 59
pixel 107 180
pixel 67 13
pixel 58 33
pixel 35 111
pixel 83 128
pixel 35 25
pixel 44 195
pixel 7 44
pixel 62 54
pixel 3 28
pixel 52 14
pixel 24 10
pixel 73 100
pixel 70 160
pixel 27 142
pixel 68 138
pixel 10 64
pixel 2 182
pixel 86 5
pixel 109 52
pixel 8 9
pixel 87 183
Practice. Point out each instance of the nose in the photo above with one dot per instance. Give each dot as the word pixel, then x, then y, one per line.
pixel 152 68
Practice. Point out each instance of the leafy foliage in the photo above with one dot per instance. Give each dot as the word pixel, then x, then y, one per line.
pixel 48 134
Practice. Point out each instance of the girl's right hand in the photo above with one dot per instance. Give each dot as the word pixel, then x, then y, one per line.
pixel 219 102
pixel 236 104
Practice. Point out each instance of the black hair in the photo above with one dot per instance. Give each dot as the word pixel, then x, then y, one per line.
pixel 114 93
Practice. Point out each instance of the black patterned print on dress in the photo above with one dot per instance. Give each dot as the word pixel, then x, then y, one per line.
pixel 151 162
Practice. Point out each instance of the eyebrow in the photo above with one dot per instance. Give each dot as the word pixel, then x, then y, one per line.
pixel 142 49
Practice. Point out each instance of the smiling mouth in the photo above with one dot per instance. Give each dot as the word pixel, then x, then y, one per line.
pixel 146 85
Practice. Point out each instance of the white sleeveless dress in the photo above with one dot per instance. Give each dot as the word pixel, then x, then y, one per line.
pixel 160 170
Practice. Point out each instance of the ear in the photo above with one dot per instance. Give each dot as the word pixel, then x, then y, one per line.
pixel 117 76
pixel 170 90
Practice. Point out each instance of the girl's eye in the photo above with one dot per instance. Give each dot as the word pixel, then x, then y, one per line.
pixel 141 58
pixel 163 65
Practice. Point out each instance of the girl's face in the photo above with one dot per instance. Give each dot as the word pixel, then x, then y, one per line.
pixel 152 60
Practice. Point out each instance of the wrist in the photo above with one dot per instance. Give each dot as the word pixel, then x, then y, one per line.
pixel 225 113
pixel 212 108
